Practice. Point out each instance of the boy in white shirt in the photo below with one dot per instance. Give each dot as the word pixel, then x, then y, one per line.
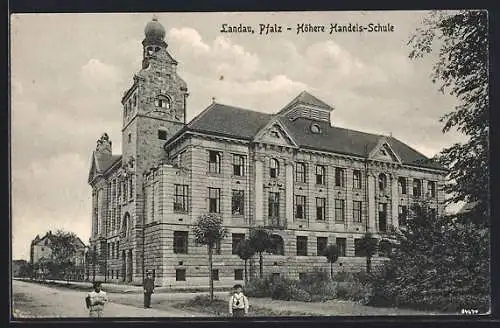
pixel 95 301
pixel 238 303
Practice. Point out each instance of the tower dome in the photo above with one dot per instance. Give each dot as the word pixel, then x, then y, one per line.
pixel 154 30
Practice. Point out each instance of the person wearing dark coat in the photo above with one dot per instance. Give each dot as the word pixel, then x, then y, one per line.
pixel 149 286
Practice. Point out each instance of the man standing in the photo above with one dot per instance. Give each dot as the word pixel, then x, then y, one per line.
pixel 149 286
pixel 95 301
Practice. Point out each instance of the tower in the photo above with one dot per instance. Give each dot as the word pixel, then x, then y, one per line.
pixel 154 109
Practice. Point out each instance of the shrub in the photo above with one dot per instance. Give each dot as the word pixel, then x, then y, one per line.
pixel 258 287
pixel 342 276
pixel 298 294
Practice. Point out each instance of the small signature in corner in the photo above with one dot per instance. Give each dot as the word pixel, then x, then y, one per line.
pixel 469 311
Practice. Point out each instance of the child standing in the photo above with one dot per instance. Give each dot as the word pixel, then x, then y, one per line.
pixel 238 303
pixel 95 301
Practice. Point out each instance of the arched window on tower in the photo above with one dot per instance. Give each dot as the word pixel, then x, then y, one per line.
pixel 162 102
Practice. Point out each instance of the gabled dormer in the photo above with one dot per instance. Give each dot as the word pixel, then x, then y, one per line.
pixel 275 133
pixel 307 106
pixel 384 152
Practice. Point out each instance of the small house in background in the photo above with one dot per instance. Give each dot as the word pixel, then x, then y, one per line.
pixel 41 248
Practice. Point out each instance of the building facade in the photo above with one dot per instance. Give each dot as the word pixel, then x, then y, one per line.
pixel 309 182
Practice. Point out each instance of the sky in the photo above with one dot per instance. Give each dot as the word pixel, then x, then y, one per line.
pixel 69 71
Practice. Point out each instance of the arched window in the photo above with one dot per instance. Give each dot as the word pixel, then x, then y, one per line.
pixel 402 185
pixel 274 166
pixel 382 182
pixel 277 245
pixel 162 102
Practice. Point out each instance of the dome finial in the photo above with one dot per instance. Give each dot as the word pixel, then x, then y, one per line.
pixel 154 30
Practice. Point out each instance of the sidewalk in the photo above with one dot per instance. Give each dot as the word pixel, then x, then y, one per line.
pixel 120 288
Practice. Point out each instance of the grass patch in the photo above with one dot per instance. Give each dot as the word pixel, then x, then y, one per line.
pixel 220 308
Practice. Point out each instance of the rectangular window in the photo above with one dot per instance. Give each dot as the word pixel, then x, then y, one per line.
pixel 402 215
pixel 431 189
pixel 417 187
pixel 320 174
pixel 214 161
pixel 238 274
pixel 215 274
pixel 238 165
pixel 238 202
pixel 301 246
pixel 322 242
pixel 180 242
pixel 320 209
pixel 402 185
pixel 341 246
pixel 356 211
pixel 117 248
pixel 181 198
pixel 300 172
pixel 300 207
pixel 274 205
pixel 382 217
pixel 358 251
pixel 162 134
pixel 214 200
pixel 356 179
pixel 236 238
pixel 129 137
pixel 180 274
pixel 339 177
pixel 339 210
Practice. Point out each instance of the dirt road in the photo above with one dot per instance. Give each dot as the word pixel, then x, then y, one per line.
pixel 36 301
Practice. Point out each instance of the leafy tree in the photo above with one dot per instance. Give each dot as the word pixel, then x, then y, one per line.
pixel 209 230
pixel 331 252
pixel 461 41
pixel 368 248
pixel 436 263
pixel 245 251
pixel 63 249
pixel 260 240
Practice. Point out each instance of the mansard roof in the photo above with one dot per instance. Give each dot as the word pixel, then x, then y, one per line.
pixel 239 123
pixel 229 121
